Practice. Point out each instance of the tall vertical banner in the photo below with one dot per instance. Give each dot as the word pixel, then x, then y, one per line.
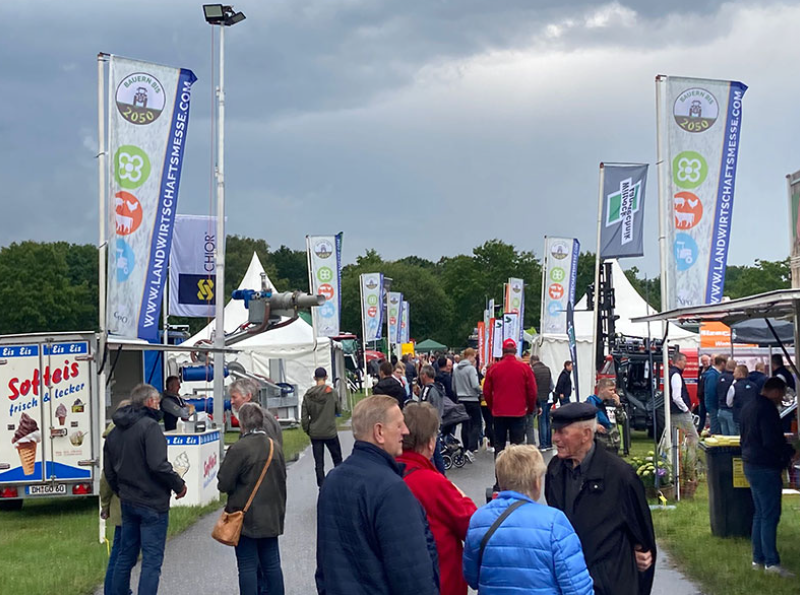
pixel 699 126
pixel 793 182
pixel 510 325
pixel 622 227
pixel 371 307
pixel 394 305
pixel 193 267
pixel 405 329
pixel 560 276
pixel 573 347
pixel 325 273
pixel 148 122
pixel 487 333
pixel 497 338
pixel 481 343
pixel 514 303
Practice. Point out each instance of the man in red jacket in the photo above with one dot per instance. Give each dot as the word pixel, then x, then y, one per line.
pixel 510 393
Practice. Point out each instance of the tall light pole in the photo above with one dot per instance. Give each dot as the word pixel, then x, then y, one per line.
pixel 222 16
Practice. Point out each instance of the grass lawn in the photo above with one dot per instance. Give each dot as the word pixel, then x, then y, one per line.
pixel 722 566
pixel 62 534
pixel 295 440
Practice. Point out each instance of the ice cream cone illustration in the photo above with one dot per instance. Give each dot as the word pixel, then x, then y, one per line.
pixel 181 464
pixel 61 414
pixel 25 440
pixel 27 456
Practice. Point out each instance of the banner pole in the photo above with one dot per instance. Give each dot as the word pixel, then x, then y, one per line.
pixel 663 222
pixel 364 384
pixel 598 350
pixel 102 250
pixel 219 337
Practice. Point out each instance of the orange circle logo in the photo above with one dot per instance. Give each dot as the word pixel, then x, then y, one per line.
pixel 326 290
pixel 127 213
pixel 688 210
pixel 556 291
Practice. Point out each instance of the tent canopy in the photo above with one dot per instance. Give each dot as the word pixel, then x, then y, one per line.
pixel 554 349
pixel 294 343
pixel 429 345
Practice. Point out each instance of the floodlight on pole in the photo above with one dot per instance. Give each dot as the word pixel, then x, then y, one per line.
pixel 222 16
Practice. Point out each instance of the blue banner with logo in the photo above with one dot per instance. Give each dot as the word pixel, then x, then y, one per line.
pixel 372 305
pixel 325 273
pixel 148 124
pixel 193 267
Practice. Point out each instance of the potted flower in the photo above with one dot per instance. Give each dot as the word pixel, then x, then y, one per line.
pixel 690 470
pixel 651 475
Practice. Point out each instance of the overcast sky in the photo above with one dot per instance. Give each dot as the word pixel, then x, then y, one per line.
pixel 415 126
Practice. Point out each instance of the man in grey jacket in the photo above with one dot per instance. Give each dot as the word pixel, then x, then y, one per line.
pixel 467 388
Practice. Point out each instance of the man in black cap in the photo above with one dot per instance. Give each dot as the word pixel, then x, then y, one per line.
pixel 604 501
pixel 318 418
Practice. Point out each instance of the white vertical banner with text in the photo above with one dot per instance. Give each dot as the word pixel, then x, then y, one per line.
pixel 193 267
pixel 325 272
pixel 394 304
pixel 560 258
pixel 514 303
pixel 148 122
pixel 405 320
pixel 699 129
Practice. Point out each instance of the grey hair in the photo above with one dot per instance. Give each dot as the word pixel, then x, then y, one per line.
pixel 587 423
pixel 251 417
pixel 241 386
pixel 428 371
pixel 142 393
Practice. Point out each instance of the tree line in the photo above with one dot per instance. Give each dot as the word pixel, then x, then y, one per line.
pixel 52 286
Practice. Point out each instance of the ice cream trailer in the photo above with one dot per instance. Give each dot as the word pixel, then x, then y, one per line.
pixel 52 417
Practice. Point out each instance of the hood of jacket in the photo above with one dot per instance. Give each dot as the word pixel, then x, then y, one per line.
pixel 127 416
pixel 318 394
pixel 464 363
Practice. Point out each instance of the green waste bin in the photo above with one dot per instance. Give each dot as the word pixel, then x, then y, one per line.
pixel 730 503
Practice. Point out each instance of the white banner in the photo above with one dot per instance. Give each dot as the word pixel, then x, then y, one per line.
pixel 394 305
pixel 325 272
pixel 405 328
pixel 148 122
pixel 497 338
pixel 560 270
pixel 371 307
pixel 699 130
pixel 514 303
pixel 193 267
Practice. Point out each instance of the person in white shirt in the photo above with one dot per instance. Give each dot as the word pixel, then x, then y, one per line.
pixel 680 403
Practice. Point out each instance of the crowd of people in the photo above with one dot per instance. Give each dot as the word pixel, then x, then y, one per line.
pixel 389 520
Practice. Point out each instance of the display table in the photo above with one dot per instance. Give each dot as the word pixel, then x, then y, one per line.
pixel 195 457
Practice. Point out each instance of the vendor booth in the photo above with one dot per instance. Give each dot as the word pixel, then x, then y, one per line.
pixel 195 457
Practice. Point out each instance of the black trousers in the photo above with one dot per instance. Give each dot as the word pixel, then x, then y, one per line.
pixel 488 427
pixel 470 430
pixel 508 429
pixel 318 449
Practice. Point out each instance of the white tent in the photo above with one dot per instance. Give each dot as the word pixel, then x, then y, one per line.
pixel 294 343
pixel 554 349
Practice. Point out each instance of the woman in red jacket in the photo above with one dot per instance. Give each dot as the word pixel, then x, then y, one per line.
pixel 447 508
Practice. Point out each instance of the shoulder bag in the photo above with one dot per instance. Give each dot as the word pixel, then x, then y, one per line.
pixel 229 525
pixel 495 526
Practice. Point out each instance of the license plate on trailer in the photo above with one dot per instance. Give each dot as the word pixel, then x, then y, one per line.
pixel 59 489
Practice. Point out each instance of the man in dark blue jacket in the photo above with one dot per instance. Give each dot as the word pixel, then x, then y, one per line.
pixel 372 534
pixel 136 467
pixel 765 454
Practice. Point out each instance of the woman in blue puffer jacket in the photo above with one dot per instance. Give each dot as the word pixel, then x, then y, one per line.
pixel 535 550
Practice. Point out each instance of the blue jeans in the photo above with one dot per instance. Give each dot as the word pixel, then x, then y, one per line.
pixel 264 554
pixel 765 486
pixel 545 438
pixel 112 561
pixel 712 408
pixel 145 529
pixel 728 427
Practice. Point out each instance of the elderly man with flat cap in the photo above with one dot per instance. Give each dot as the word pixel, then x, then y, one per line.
pixel 604 501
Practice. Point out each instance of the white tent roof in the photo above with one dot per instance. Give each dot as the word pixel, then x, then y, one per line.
pixel 294 343
pixel 554 349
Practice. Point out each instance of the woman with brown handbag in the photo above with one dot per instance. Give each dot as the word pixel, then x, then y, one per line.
pixel 253 475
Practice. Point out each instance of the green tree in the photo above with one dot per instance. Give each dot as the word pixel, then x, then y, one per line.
pixel 291 268
pixel 764 275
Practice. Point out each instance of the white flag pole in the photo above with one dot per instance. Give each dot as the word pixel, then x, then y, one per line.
pixel 102 250
pixel 364 383
pixel 597 262
pixel 663 221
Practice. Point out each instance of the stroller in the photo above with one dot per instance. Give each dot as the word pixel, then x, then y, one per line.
pixel 452 449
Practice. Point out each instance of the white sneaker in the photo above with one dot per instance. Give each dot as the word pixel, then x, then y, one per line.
pixel 490 449
pixel 780 571
pixel 470 456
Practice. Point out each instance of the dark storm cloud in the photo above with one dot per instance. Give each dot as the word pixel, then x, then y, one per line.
pixel 339 115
